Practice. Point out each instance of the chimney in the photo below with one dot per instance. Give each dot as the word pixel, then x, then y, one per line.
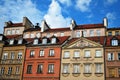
pixel 72 25
pixel 105 22
pixel 37 25
pixel 44 26
pixel 8 23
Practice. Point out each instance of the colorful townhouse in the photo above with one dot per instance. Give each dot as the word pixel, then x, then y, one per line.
pixel 43 58
pixel 83 58
pixel 13 51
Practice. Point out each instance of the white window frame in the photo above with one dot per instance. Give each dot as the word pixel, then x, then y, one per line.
pixel 98 68
pixel 77 33
pixel 98 32
pixel 38 35
pixel 65 68
pixel 17 31
pixel 98 53
pixel 12 55
pixel 110 56
pixel 40 68
pixel 91 32
pixel 76 68
pixel 66 54
pixel 53 40
pixel 85 33
pixel 35 41
pixel 51 52
pixel 62 34
pixel 32 53
pixel 26 35
pixel 76 54
pixel 114 42
pixel 9 70
pixel 8 32
pixel 5 56
pixel 87 53
pixel 44 41
pixel 87 68
pixel 19 55
pixel 17 70
pixel 1 37
pixel 13 31
pixel 32 35
pixel 11 41
pixel 20 41
pixel 41 53
pixel 50 68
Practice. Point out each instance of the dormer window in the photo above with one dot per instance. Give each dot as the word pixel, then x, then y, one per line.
pixel 11 41
pixel 114 42
pixel 44 41
pixel 53 40
pixel 1 38
pixel 35 41
pixel 20 41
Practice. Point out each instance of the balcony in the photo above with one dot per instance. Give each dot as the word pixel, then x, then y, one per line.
pixel 11 61
pixel 10 76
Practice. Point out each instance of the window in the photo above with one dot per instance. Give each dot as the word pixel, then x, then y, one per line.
pixel 13 31
pixel 2 70
pixel 78 34
pixel 87 68
pixel 116 33
pixel 53 40
pixel 119 72
pixel 32 35
pixel 51 53
pixel 17 69
pixel 5 56
pixel 98 32
pixel 29 69
pixel 17 31
pixel 76 68
pixel 11 41
pixel 38 35
pixel 85 33
pixel 35 41
pixel 62 34
pixel 9 70
pixel 40 68
pixel 1 37
pixel 51 68
pixel 41 53
pixel 44 41
pixel 98 68
pixel 114 42
pixel 112 72
pixel 110 33
pixel 98 53
pixel 66 54
pixel 20 41
pixel 55 34
pixel 26 35
pixel 32 53
pixel 76 54
pixel 19 55
pixel 91 32
pixel 87 53
pixel 110 56
pixel 12 55
pixel 118 56
pixel 8 32
pixel 65 68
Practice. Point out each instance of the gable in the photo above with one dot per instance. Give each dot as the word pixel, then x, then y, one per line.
pixel 82 43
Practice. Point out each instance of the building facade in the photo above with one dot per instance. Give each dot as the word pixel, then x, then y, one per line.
pixel 82 59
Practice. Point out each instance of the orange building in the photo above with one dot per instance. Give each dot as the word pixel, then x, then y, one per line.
pixel 42 59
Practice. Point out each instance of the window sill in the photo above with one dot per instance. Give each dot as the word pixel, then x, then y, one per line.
pixel 51 56
pixel 98 57
pixel 66 58
pixel 76 73
pixel 87 74
pixel 76 57
pixel 87 57
pixel 50 73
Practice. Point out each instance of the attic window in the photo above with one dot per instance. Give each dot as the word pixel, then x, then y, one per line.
pixel 35 41
pixel 53 40
pixel 114 42
pixel 11 41
pixel 20 41
pixel 1 37
pixel 44 41
pixel 37 35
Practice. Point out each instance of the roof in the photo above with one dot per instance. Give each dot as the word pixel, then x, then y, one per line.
pixel 15 25
pixel 32 29
pixel 57 29
pixel 60 40
pixel 115 28
pixel 99 39
pixel 108 39
pixel 89 26
pixel 13 36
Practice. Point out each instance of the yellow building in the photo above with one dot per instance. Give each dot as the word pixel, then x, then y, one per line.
pixel 113 32
pixel 83 58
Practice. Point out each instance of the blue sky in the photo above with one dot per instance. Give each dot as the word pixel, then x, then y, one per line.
pixel 59 13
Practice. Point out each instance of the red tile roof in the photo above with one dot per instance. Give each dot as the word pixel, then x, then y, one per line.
pixel 15 25
pixel 57 29
pixel 108 40
pixel 89 26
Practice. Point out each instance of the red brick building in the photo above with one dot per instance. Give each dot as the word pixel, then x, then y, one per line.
pixel 42 60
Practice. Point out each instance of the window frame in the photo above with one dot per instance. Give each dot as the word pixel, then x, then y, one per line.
pixel 51 52
pixel 40 68
pixel 50 68
pixel 32 53
pixel 68 55
pixel 29 69
pixel 41 53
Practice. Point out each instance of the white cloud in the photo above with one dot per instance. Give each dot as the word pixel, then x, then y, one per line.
pixel 83 5
pixel 66 2
pixel 15 10
pixel 111 1
pixel 54 16
pixel 111 16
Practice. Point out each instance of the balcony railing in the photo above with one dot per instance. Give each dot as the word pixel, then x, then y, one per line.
pixel 11 61
pixel 10 76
